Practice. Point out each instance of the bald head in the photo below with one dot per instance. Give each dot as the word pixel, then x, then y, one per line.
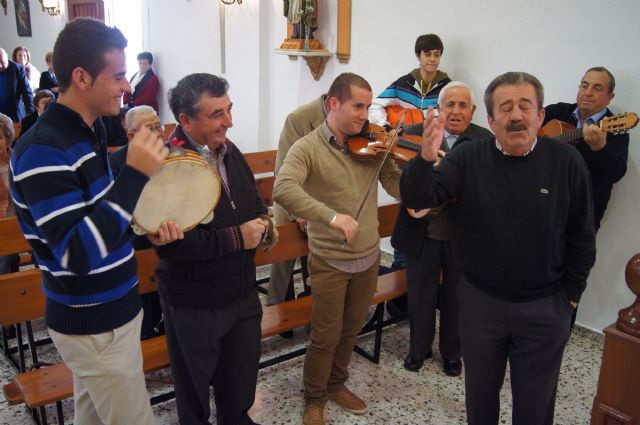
pixel 4 60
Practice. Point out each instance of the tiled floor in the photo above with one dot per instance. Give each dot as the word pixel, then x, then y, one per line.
pixel 395 396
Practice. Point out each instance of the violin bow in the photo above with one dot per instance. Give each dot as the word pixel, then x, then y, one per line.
pixel 374 178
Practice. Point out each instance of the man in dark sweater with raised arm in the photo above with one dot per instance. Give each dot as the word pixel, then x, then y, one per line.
pixel 526 240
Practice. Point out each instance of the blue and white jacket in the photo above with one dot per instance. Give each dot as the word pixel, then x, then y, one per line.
pixel 75 216
pixel 408 92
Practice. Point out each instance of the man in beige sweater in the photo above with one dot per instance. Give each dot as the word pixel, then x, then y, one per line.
pixel 321 183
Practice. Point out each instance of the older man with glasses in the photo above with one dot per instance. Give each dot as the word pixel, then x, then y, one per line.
pixel 143 116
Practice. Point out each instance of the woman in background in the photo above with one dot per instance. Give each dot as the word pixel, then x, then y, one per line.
pixel 22 56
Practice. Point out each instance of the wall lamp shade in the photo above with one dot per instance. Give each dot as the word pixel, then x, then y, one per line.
pixel 231 1
pixel 51 6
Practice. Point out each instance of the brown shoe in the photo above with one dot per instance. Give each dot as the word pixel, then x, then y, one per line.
pixel 348 401
pixel 313 414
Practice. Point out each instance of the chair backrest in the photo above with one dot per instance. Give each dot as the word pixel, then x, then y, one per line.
pixel 261 162
pixel 22 297
pixel 12 240
pixel 168 128
pixel 263 165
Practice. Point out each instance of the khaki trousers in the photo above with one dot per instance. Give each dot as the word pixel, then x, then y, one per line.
pixel 108 382
pixel 340 303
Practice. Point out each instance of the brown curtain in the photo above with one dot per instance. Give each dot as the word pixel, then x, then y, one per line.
pixel 86 9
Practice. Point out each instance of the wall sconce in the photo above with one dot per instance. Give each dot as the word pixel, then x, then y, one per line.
pixel 231 1
pixel 51 6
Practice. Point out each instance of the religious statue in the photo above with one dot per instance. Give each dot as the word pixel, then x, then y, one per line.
pixel 303 15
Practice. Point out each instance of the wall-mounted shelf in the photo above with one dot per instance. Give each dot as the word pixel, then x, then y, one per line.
pixel 296 52
pixel 316 56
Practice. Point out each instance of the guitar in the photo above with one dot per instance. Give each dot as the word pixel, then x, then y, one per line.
pixel 565 132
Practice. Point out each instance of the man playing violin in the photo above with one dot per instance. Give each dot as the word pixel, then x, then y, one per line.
pixel 321 183
pixel 525 235
pixel 426 242
pixel 605 154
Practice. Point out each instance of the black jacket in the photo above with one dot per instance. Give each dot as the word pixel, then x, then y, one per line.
pixel 409 233
pixel 606 166
pixel 48 81
pixel 18 91
pixel 28 122
pixel 209 268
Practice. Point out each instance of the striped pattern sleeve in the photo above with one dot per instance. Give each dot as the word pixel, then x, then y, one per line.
pixel 70 201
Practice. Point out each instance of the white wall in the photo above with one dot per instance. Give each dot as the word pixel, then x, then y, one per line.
pixel 44 30
pixel 556 41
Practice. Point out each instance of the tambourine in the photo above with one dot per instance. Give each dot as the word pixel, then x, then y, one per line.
pixel 185 189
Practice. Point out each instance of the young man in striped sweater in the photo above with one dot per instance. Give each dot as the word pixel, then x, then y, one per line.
pixel 76 218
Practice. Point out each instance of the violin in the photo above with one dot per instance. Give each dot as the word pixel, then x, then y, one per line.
pixel 373 142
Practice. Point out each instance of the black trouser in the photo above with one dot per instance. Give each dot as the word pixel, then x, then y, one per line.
pixel 423 278
pixel 152 314
pixel 218 347
pixel 531 336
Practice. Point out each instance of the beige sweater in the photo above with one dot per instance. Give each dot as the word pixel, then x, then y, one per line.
pixel 317 181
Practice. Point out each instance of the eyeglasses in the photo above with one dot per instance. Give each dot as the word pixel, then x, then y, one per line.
pixel 152 127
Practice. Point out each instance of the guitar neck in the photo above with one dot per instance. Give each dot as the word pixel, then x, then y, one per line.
pixel 570 136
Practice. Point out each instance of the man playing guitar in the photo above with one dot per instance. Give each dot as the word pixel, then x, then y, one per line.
pixel 605 154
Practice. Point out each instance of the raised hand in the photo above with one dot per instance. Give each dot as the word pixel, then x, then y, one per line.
pixel 432 135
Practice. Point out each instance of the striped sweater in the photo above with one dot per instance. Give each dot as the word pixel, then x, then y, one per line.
pixel 75 216
pixel 409 92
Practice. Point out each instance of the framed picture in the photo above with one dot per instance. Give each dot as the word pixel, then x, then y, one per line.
pixel 23 17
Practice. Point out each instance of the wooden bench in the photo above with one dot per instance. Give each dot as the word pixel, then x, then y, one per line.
pixel 262 163
pixel 52 384
pixel 13 242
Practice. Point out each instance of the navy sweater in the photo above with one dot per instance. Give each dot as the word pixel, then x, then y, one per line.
pixel 75 216
pixel 524 225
